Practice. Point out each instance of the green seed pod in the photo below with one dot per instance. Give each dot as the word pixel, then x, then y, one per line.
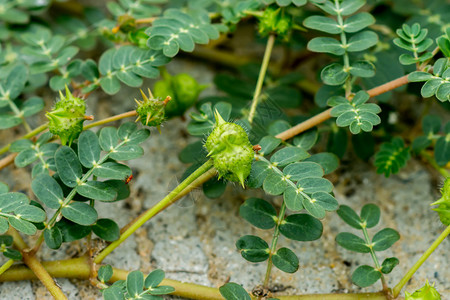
pixel 230 149
pixel 182 88
pixel 443 209
pixel 150 110
pixel 428 292
pixel 138 37
pixel 66 118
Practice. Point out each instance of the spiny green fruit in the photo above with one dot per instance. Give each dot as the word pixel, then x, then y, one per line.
pixel 230 150
pixel 428 292
pixel 150 110
pixel 443 209
pixel 66 118
pixel 182 88
pixel 275 21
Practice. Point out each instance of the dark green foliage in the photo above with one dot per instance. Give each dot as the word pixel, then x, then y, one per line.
pixel 73 179
pixel 431 127
pixel 357 114
pixel 366 275
pixel 392 156
pixel 135 286
pixel 253 248
pixel 300 183
pixel 285 260
pixel 436 84
pixel 337 74
pixel 17 211
pixel 177 30
pixel 414 39
pixel 389 264
pixel 6 242
pixel 259 213
pixel 233 291
pixel 105 273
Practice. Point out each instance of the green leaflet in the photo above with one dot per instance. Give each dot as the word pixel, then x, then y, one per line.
pixel 128 64
pixel 177 30
pixel 106 229
pixel 97 190
pixel 88 149
pixel 259 213
pixel 253 248
pixel 68 166
pixel 436 84
pixel 105 273
pixel 352 242
pixel 365 276
pixel 234 291
pixel 413 38
pixel 391 157
pixel 80 213
pixel 356 114
pixel 285 260
pixel 301 227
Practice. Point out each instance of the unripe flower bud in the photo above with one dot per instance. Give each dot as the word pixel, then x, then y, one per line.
pixel 67 117
pixel 230 150
pixel 274 21
pixel 428 292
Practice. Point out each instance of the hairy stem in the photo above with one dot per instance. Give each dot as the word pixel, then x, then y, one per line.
pixel 421 260
pixel 78 268
pixel 36 267
pixel 273 247
pixel 168 200
pixel 128 114
pixel 325 115
pixel 262 75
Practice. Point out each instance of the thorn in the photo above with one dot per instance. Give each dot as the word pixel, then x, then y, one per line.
pixel 159 129
pixel 68 93
pixel 137 102
pixel 219 119
pixel 241 179
pixel 138 118
pixel 143 95
pixel 61 96
pixel 150 94
pixel 148 119
pixel 212 152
